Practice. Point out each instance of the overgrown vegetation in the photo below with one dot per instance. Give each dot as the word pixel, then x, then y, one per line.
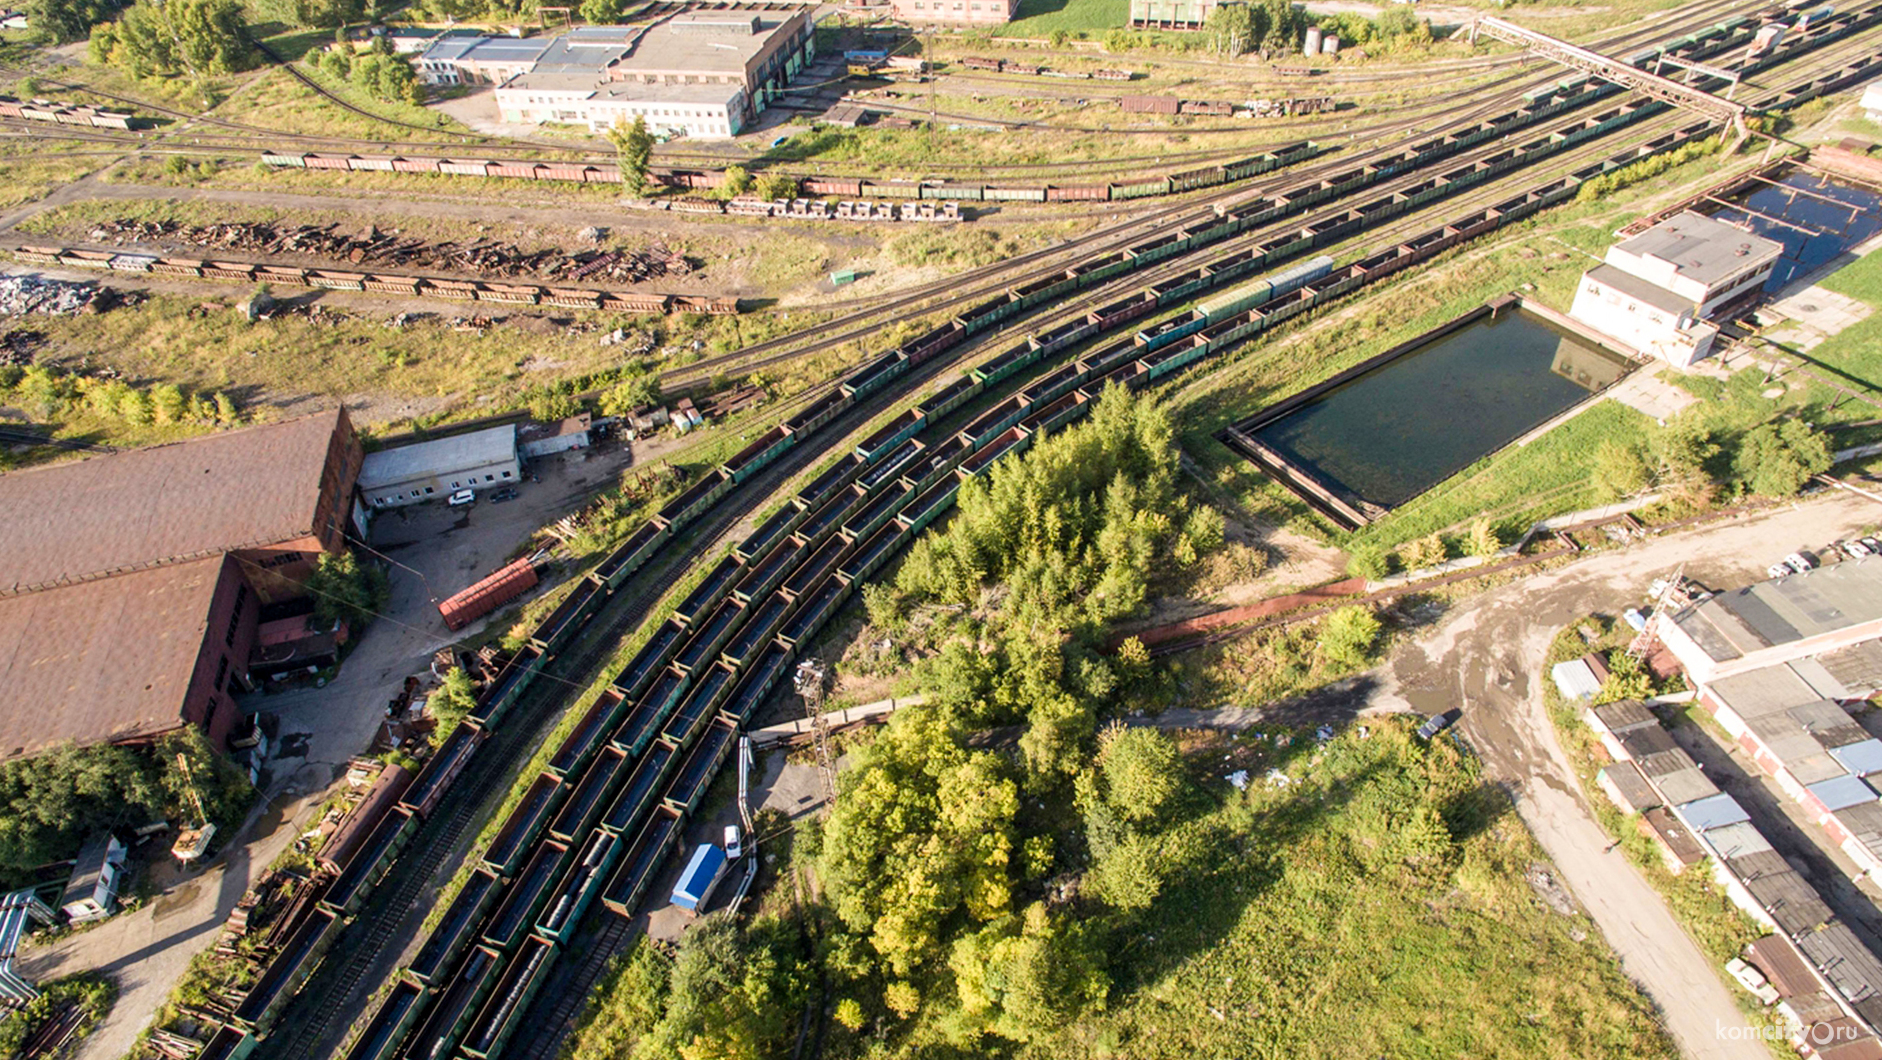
pixel 91 992
pixel 451 703
pixel 51 802
pixel 1147 909
pixel 377 72
pixel 156 412
pixel 343 588
pixel 1645 169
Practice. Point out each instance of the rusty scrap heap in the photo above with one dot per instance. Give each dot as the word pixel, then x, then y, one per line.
pixel 485 257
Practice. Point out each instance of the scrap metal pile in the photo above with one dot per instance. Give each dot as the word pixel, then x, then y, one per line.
pixel 485 257
pixel 26 295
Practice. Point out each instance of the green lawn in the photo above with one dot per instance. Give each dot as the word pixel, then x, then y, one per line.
pixel 1041 18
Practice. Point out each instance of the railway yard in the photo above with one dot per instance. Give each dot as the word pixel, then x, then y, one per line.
pixel 1014 243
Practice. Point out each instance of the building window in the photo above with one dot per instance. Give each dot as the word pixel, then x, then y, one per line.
pixel 454 484
pixel 429 491
pixel 222 674
pixel 506 474
pixel 418 493
pixel 235 615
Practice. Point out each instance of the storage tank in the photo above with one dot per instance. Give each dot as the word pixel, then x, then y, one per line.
pixel 1330 45
pixel 1312 47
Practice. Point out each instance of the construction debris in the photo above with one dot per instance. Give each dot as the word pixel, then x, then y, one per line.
pixel 23 295
pixel 484 257
pixel 17 347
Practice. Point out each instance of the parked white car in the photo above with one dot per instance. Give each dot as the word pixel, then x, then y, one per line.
pixel 461 498
pixel 734 843
pixel 1855 548
pixel 1800 563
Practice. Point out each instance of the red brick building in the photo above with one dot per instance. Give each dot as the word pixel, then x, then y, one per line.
pixel 131 584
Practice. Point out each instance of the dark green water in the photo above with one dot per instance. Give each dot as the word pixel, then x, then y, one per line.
pixel 1413 422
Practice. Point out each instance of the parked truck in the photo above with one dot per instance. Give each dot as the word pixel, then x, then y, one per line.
pixel 703 872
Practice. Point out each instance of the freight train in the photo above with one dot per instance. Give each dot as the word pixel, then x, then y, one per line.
pixel 649 744
pixel 1286 106
pixel 840 187
pixel 381 282
pixel 64 114
pixel 1008 66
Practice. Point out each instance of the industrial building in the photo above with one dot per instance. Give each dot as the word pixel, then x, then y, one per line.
pixel 1872 101
pixel 956 12
pixel 1778 621
pixel 1655 291
pixel 1171 14
pixel 1774 663
pixel 131 584
pixel 478 60
pixel 705 74
pixel 547 439
pixel 432 471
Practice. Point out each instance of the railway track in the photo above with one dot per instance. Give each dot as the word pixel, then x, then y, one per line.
pixel 392 916
pixel 726 515
pixel 255 136
pixel 556 1017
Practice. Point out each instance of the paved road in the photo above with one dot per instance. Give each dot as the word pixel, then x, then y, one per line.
pixel 1486 655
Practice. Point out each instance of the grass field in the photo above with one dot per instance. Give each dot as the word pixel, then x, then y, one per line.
pixel 1042 18
pixel 30 169
pixel 1315 932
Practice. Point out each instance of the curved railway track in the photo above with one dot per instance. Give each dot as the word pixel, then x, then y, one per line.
pixel 1488 190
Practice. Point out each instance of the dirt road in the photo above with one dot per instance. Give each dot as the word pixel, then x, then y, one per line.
pixel 1486 656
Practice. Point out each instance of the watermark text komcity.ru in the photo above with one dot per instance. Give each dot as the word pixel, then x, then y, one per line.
pixel 1818 1034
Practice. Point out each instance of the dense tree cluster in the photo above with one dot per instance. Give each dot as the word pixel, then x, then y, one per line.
pixel 51 802
pixel 1064 542
pixel 64 21
pixel 1270 25
pixel 195 38
pixel 377 72
pixel 1690 462
pixel 345 588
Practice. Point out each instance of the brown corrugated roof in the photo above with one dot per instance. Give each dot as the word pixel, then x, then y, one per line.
pixel 101 660
pixel 1783 966
pixel 1675 836
pixel 165 504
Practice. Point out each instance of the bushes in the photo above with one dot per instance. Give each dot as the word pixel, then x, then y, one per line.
pixel 49 394
pixel 385 77
pixel 1645 169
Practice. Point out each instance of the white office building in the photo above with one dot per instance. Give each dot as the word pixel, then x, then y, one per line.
pixel 1655 291
pixel 432 471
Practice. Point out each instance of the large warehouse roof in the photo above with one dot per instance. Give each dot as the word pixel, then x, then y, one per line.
pixel 165 504
pixel 493 445
pixel 705 43
pixel 109 659
pixel 1703 248
pixel 1771 613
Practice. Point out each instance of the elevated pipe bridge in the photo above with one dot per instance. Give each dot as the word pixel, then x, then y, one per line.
pixel 1595 64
